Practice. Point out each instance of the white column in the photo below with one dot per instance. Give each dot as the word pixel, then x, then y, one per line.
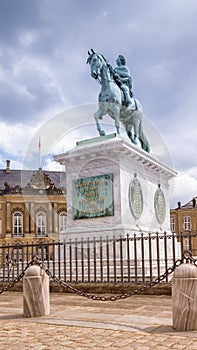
pixel 55 218
pixel 32 218
pixel 49 221
pixel 9 218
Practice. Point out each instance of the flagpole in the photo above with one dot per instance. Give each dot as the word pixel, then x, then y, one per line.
pixel 39 150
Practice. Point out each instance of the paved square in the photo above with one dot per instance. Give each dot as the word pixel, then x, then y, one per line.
pixel 137 323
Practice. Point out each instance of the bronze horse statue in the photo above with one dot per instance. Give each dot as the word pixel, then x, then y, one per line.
pixel 111 102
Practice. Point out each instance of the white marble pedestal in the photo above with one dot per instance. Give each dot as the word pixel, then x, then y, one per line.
pixel 135 196
pixel 36 299
pixel 184 298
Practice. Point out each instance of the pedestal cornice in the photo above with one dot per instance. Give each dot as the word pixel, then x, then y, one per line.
pixel 113 146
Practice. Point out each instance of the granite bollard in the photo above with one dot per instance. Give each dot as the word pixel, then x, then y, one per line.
pixel 184 298
pixel 36 300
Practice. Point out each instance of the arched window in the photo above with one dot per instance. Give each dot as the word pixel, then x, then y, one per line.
pixel 41 224
pixel 17 224
pixel 62 221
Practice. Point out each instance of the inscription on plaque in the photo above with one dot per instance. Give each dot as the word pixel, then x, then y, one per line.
pixel 135 197
pixel 160 205
pixel 93 197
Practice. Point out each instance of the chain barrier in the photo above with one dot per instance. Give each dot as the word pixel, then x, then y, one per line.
pixel 145 287
pixel 186 257
pixel 18 278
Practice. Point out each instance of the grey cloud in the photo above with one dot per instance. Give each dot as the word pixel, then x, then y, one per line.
pixel 158 39
pixel 31 92
pixel 16 15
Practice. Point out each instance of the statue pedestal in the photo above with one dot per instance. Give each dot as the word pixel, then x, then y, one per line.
pixel 114 188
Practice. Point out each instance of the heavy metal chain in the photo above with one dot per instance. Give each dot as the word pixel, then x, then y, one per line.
pixel 186 257
pixel 145 287
pixel 18 278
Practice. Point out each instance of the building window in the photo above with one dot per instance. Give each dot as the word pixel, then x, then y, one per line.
pixel 62 222
pixel 17 224
pixel 187 223
pixel 172 225
pixel 41 224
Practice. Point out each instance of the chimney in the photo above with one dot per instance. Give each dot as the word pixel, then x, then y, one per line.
pixel 179 205
pixel 7 166
pixel 194 202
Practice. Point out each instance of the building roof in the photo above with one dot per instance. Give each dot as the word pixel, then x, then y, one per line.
pixel 31 179
pixel 23 177
pixel 189 205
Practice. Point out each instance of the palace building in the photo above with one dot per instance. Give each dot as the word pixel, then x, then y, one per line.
pixel 33 208
pixel 32 205
pixel 183 221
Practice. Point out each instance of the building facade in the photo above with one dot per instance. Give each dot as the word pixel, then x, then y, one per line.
pixel 183 221
pixel 33 208
pixel 32 205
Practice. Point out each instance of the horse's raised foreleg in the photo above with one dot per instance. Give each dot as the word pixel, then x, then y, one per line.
pixel 97 116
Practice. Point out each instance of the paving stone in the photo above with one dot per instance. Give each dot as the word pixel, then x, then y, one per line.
pixel 86 324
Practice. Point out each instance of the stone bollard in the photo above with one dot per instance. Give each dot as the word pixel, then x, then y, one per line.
pixel 36 301
pixel 184 298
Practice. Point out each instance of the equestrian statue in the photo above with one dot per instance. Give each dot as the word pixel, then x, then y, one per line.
pixel 116 98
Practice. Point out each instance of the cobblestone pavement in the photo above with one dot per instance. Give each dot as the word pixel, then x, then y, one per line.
pixel 136 323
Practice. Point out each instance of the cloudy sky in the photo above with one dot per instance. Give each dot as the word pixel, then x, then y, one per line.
pixel 43 73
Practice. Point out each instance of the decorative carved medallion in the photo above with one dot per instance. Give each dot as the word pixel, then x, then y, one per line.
pixel 160 205
pixel 136 197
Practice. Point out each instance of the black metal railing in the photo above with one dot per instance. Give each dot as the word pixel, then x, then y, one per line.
pixel 138 258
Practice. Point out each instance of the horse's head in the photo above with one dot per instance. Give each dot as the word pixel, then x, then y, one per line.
pixel 96 62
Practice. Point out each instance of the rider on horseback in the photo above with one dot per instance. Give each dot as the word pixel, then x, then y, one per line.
pixel 122 77
pixel 110 98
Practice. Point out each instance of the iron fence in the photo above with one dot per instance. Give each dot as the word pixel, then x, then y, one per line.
pixel 138 258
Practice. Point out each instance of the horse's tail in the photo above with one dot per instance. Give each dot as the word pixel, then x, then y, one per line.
pixel 143 140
